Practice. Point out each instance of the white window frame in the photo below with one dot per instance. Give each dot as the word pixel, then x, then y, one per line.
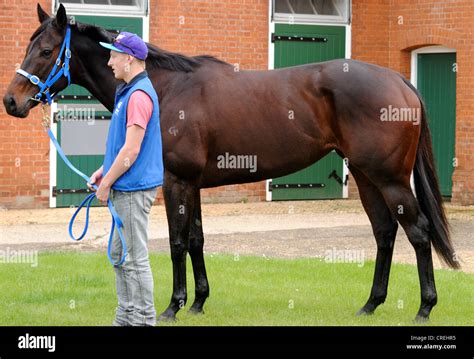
pixel 310 19
pixel 115 10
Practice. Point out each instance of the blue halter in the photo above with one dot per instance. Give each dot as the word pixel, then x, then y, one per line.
pixel 53 76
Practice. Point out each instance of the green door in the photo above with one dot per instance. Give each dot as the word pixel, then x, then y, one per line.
pixel 82 124
pixel 436 81
pixel 324 179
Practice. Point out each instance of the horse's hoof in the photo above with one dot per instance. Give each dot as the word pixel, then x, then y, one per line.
pixel 167 317
pixel 196 311
pixel 419 319
pixel 364 311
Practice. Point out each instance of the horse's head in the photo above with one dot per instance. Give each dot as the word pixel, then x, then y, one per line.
pixel 40 57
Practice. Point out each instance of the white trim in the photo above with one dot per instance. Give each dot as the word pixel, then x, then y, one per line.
pixel 414 77
pixel 310 19
pixel 345 173
pixel 315 24
pixel 348 55
pixel 315 19
pixel 424 50
pixel 146 24
pixel 348 50
pixel 52 158
pixel 271 66
pixel 110 10
pixel 108 14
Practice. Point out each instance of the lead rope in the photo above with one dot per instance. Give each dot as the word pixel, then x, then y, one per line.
pixel 88 200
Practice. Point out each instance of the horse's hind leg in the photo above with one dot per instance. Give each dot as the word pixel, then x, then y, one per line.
pixel 196 251
pixel 403 204
pixel 384 226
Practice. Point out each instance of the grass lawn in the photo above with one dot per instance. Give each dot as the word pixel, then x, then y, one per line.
pixel 79 289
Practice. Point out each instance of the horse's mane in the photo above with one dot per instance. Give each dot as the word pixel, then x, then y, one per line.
pixel 157 57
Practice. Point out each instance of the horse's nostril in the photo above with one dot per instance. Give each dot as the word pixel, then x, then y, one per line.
pixel 9 102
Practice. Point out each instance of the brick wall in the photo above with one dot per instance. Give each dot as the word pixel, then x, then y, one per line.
pixel 24 147
pixel 386 35
pixel 450 24
pixel 370 31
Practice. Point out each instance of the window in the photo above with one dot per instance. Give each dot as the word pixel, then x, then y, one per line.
pixel 112 7
pixel 311 11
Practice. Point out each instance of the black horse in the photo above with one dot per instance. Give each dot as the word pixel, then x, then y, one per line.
pixel 334 105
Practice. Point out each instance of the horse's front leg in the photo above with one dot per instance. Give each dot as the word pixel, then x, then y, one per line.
pixel 179 196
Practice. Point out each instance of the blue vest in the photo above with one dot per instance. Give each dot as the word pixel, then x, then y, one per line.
pixel 147 170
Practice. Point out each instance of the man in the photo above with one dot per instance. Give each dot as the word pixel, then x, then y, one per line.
pixel 131 172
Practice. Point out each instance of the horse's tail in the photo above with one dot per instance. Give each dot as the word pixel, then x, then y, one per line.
pixel 428 193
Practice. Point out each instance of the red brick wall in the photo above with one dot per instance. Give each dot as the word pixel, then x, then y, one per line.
pixel 450 24
pixel 370 31
pixel 24 147
pixel 386 35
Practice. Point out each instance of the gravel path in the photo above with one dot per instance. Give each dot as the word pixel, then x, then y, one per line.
pixel 276 229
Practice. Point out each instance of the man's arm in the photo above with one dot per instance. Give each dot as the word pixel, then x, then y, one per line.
pixel 124 160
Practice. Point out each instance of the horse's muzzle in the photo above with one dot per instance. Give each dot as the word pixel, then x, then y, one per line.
pixel 12 108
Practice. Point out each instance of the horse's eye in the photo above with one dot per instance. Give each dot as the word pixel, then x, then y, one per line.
pixel 46 53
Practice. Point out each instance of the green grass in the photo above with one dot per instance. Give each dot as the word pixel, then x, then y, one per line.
pixel 79 289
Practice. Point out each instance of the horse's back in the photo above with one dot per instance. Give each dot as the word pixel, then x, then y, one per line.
pixel 296 114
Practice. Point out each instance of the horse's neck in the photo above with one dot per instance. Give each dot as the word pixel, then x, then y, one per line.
pixel 90 71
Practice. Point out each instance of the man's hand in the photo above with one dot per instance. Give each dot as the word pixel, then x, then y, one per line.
pixel 122 163
pixel 103 192
pixel 96 178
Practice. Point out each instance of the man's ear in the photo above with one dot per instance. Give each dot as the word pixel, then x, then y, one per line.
pixel 42 15
pixel 60 21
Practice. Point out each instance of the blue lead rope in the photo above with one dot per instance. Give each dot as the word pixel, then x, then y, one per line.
pixel 87 202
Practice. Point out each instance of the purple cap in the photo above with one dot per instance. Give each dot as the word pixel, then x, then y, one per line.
pixel 129 43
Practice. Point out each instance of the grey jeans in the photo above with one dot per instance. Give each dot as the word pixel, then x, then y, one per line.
pixel 134 279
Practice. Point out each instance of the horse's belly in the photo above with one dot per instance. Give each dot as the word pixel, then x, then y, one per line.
pixel 242 167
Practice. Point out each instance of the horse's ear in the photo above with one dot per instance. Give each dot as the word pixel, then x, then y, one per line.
pixel 60 21
pixel 42 15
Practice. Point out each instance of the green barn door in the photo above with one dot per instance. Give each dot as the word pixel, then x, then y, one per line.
pixel 324 179
pixel 83 123
pixel 436 81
